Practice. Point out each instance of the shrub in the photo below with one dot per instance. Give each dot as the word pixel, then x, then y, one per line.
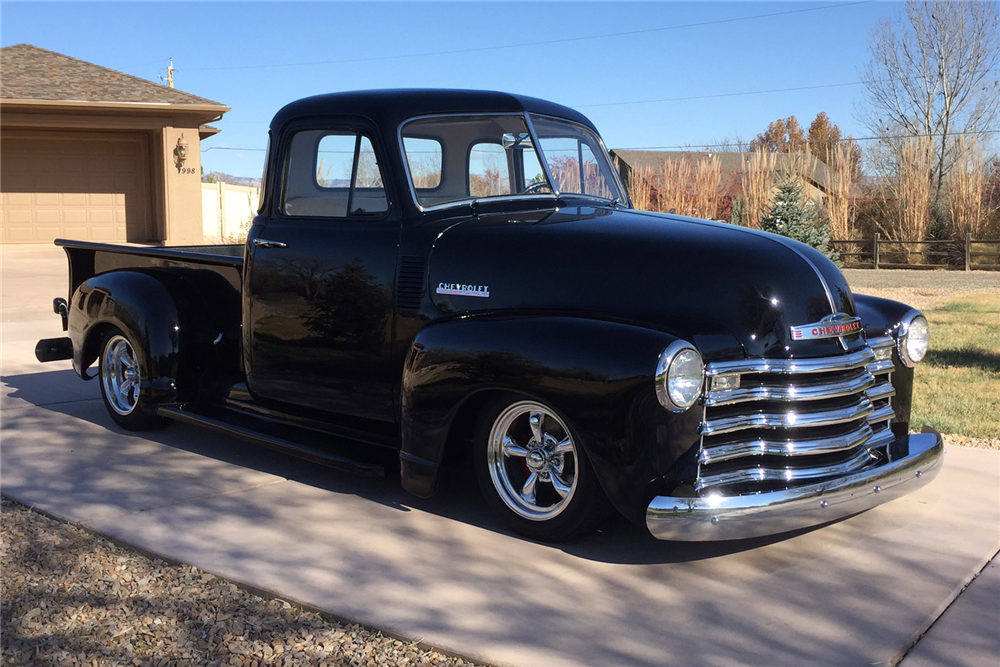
pixel 788 216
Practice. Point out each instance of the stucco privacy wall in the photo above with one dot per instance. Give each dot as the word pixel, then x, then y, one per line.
pixel 227 211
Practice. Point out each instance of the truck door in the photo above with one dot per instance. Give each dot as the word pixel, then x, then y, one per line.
pixel 319 281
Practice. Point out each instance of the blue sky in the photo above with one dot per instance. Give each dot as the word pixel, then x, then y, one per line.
pixel 614 58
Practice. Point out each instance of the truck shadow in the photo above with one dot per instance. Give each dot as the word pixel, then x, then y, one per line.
pixel 975 359
pixel 64 398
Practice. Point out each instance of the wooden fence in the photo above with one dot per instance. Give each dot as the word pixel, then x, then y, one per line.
pixel 880 253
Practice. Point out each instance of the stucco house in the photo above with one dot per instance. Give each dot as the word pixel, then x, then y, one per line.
pixel 90 153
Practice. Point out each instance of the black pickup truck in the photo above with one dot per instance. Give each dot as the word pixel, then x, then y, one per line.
pixel 435 274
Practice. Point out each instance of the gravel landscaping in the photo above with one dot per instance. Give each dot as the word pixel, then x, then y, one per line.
pixel 921 289
pixel 71 598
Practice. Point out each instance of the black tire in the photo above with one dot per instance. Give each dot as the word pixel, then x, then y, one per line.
pixel 119 379
pixel 537 479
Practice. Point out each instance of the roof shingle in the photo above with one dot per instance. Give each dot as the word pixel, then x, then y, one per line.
pixel 28 72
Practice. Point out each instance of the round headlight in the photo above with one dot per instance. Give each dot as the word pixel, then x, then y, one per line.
pixel 680 374
pixel 914 339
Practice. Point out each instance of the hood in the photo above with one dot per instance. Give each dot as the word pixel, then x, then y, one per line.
pixel 716 285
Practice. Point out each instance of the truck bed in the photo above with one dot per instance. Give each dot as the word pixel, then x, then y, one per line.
pixel 88 259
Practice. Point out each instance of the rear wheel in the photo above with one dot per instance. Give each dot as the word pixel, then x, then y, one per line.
pixel 533 472
pixel 120 377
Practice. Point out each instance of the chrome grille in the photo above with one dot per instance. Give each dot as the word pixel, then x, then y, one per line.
pixel 776 423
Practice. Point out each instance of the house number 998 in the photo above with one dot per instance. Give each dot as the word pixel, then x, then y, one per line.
pixel 187 170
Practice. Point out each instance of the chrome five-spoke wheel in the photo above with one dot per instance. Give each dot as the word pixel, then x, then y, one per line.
pixel 533 471
pixel 120 375
pixel 532 461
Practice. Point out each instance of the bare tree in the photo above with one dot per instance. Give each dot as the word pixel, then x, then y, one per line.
pixel 727 144
pixel 932 75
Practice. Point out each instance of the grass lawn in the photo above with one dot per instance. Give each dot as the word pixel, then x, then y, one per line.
pixel 957 387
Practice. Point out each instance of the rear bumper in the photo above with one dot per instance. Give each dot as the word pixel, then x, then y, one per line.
pixel 738 517
pixel 54 349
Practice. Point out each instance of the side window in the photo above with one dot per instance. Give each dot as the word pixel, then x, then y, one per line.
pixel 488 173
pixel 423 156
pixel 332 174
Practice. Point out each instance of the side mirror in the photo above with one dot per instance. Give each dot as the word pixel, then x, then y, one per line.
pixel 520 140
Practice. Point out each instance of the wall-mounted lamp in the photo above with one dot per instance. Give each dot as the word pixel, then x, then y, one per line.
pixel 180 153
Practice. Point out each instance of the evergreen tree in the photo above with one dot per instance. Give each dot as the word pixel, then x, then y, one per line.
pixel 789 216
pixel 736 213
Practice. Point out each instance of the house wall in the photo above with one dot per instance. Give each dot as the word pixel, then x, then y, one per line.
pixel 182 185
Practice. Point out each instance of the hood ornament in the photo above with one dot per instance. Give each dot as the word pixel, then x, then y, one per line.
pixel 831 326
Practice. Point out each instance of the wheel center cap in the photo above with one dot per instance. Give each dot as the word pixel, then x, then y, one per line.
pixel 536 461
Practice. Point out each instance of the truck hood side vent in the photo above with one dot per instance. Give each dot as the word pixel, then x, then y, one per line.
pixel 410 282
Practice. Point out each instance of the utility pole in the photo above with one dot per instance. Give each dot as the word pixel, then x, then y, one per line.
pixel 170 73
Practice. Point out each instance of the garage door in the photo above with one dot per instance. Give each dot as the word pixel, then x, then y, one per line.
pixel 92 187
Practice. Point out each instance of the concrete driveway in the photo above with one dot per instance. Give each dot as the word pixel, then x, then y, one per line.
pixel 859 592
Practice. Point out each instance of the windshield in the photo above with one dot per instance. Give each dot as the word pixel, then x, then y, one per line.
pixel 576 159
pixel 472 157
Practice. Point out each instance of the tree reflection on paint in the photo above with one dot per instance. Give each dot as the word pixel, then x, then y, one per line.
pixel 349 309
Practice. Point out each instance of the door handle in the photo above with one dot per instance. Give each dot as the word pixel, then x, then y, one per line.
pixel 261 243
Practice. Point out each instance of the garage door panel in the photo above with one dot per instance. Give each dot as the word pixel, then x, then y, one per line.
pixel 46 230
pixel 14 183
pixel 102 217
pixel 18 217
pixel 100 165
pixel 46 199
pixel 123 182
pixel 67 185
pixel 18 199
pixel 74 165
pixel 75 217
pixel 18 234
pixel 48 216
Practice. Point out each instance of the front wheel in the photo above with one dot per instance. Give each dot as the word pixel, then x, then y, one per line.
pixel 533 472
pixel 120 377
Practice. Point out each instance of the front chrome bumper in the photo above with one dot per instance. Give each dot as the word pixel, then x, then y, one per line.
pixel 716 517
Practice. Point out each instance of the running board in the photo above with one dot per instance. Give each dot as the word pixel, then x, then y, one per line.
pixel 240 424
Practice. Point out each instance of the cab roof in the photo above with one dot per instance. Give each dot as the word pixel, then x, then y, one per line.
pixel 390 108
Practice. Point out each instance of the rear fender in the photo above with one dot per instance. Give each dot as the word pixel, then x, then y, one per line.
pixel 171 328
pixel 597 374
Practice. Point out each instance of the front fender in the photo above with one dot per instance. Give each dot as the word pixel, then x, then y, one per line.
pixel 597 374
pixel 882 317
